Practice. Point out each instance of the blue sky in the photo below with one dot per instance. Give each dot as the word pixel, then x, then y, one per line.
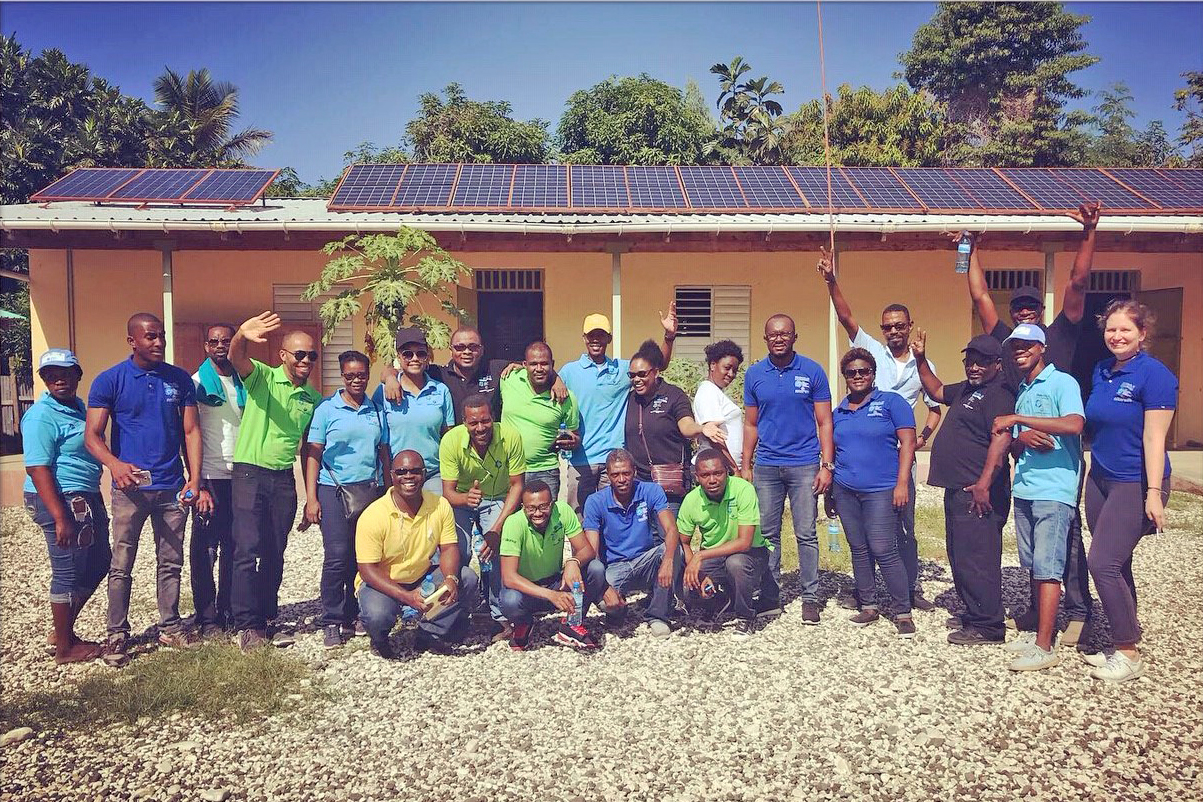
pixel 327 76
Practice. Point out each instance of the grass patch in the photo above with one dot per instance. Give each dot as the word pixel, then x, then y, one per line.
pixel 929 531
pixel 214 681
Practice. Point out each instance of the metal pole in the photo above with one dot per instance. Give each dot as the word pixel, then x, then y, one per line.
pixel 1050 275
pixel 833 323
pixel 168 303
pixel 71 299
pixel 616 299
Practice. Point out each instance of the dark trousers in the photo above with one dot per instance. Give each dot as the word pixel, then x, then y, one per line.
pixel 338 560
pixel 741 574
pixel 212 545
pixel 871 526
pixel 518 608
pixel 975 555
pixel 908 544
pixel 265 506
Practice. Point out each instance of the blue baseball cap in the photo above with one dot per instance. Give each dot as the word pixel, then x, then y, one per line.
pixel 1028 332
pixel 58 358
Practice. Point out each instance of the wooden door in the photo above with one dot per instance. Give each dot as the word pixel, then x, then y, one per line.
pixel 189 345
pixel 1166 343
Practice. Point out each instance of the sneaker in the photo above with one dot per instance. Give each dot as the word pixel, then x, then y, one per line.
pixel 520 637
pixel 1119 668
pixel 182 639
pixel 1022 641
pixel 918 602
pixel 500 631
pixel 332 636
pixel 575 636
pixel 251 639
pixel 744 629
pixel 810 613
pixel 906 628
pixel 116 651
pixel 847 601
pixel 864 617
pixel 969 636
pixel 382 648
pixel 769 608
pixel 425 642
pixel 212 632
pixel 282 638
pixel 616 615
pixel 1035 659
pixel 1075 632
pixel 954 622
pixel 1094 660
pixel 356 630
pixel 658 628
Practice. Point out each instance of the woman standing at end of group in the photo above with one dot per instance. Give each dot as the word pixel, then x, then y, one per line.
pixel 711 403
pixel 874 447
pixel 1132 401
pixel 62 494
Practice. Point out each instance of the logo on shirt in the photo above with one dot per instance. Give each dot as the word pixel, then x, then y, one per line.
pixel 801 385
pixel 1042 405
pixel 971 400
pixel 641 511
pixel 876 409
pixel 485 384
pixel 171 392
pixel 1124 393
pixel 659 404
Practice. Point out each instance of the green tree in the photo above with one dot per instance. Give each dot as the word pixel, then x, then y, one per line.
pixel 393 276
pixel 1003 69
pixel 749 118
pixel 288 184
pixel 1190 100
pixel 456 129
pixel 15 342
pixel 195 128
pixel 363 153
pixel 1117 143
pixel 633 120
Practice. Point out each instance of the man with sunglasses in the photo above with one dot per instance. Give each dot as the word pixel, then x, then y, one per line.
pixel 467 373
pixel 897 372
pixel 279 407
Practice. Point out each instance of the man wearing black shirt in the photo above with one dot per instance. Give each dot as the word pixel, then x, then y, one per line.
pixel 965 461
pixel 1062 338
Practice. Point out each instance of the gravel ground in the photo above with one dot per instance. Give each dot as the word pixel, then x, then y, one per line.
pixel 829 712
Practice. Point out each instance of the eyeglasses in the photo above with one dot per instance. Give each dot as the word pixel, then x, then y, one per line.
pixel 459 348
pixel 639 374
pixel 888 327
pixel 414 354
pixel 537 507
pixel 213 341
pixel 355 377
pixel 408 471
pixel 779 335
pixel 300 356
pixel 856 373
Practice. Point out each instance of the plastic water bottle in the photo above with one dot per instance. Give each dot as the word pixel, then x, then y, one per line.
pixel 564 453
pixel 964 247
pixel 183 498
pixel 578 600
pixel 478 543
pixel 833 535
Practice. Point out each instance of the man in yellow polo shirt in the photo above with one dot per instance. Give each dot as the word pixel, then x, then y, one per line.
pixel 395 539
pixel 482 465
pixel 263 493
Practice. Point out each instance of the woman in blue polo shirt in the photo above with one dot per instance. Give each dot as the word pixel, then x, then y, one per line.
pixel 62 494
pixel 874 447
pixel 1132 401
pixel 346 438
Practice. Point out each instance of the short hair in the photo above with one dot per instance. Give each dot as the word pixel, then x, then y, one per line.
pixel 781 316
pixel 650 353
pixel 1140 315
pixel 352 356
pixel 619 455
pixel 857 353
pixel 722 349
pixel 466 330
pixel 536 486
pixel 897 308
pixel 475 401
pixel 138 319
pixel 709 454
pixel 230 327
pixel 538 345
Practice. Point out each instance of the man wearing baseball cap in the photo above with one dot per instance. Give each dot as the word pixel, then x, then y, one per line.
pixel 965 460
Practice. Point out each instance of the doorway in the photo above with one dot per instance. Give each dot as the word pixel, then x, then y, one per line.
pixel 509 311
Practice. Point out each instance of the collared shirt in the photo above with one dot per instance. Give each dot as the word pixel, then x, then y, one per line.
pixel 417 421
pixel 147 411
pixel 404 543
pixel 53 436
pixel 866 441
pixel 601 394
pixel 486 382
pixel 626 532
pixel 459 462
pixel 276 416
pixel 958 454
pixel 219 429
pixel 890 375
pixel 1062 343
pixel 712 404
pixel 540 554
pixel 652 430
pixel 719 521
pixel 536 418
pixel 350 437
pixel 1049 475
pixel 1115 414
pixel 786 398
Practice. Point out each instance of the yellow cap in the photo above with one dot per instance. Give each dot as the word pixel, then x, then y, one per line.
pixel 596 321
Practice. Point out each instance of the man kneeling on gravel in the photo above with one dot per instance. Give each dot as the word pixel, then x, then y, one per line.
pixel 618 525
pixel 536 576
pixel 395 540
pixel 730 551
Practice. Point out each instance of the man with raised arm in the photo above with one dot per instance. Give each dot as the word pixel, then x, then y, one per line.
pixel 279 406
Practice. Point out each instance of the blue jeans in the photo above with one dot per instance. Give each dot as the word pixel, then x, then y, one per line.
pixel 75 572
pixel 740 574
pixel 1042 537
pixel 551 476
pixel 379 612
pixel 908 545
pixel 519 608
pixel 467 519
pixel 773 484
pixel 338 560
pixel 640 573
pixel 871 526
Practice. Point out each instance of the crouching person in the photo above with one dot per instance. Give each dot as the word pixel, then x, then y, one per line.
pixel 730 551
pixel 535 575
pixel 619 522
pixel 395 540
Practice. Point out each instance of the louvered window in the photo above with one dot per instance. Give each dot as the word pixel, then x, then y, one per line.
pixel 707 314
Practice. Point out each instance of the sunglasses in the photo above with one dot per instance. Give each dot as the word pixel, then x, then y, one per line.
pixel 300 356
pixel 459 348
pixel 983 362
pixel 639 374
pixel 216 342
pixel 355 377
pixel 408 471
pixel 888 327
pixel 414 354
pixel 856 373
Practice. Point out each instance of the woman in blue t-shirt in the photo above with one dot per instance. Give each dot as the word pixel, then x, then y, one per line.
pixel 874 448
pixel 1132 401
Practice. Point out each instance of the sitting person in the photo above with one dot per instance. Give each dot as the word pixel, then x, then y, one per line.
pixel 395 539
pixel 618 525
pixel 535 575
pixel 731 551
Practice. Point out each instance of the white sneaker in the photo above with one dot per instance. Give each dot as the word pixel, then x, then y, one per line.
pixel 658 628
pixel 1021 643
pixel 1097 659
pixel 1119 668
pixel 1035 659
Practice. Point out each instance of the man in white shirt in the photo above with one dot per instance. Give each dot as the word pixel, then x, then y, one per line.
pixel 220 399
pixel 897 372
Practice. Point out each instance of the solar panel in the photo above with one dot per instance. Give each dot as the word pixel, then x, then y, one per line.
pixel 813 183
pixel 160 185
pixel 988 187
pixel 1045 186
pixel 1191 179
pixel 1155 186
pixel 1102 188
pixel 712 188
pixel 600 187
pixel 483 185
pixel 880 188
pixel 936 189
pixel 86 183
pixel 368 185
pixel 232 186
pixel 426 185
pixel 540 186
pixel 768 188
pixel 655 188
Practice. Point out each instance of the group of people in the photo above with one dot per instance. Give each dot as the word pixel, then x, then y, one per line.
pixel 443 468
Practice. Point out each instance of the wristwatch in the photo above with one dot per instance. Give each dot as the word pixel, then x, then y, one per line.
pixel 828 465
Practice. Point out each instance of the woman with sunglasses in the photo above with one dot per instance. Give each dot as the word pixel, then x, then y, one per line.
pixel 711 403
pixel 874 445
pixel 346 438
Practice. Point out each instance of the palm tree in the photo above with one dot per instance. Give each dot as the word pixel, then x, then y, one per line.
pixel 207 111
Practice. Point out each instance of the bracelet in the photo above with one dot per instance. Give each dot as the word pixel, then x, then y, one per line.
pixel 573 560
pixel 454 579
pixel 926 433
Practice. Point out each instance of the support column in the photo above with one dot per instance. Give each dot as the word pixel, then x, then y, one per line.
pixel 71 299
pixel 616 251
pixel 1050 275
pixel 833 329
pixel 165 248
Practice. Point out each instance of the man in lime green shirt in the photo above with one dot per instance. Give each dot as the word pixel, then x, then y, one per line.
pixel 527 405
pixel 722 513
pixel 537 577
pixel 279 406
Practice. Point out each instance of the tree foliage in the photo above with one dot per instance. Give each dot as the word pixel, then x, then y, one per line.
pixel 1117 144
pixel 633 120
pixel 195 127
pixel 750 125
pixel 1190 100
pixel 455 129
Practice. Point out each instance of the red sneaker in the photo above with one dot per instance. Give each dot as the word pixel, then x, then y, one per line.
pixel 520 637
pixel 575 636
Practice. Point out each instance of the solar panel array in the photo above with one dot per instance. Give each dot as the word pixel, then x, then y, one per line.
pixel 228 187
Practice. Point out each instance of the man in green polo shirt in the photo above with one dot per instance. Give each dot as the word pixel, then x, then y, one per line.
pixel 537 577
pixel 729 550
pixel 482 466
pixel 528 406
pixel 279 406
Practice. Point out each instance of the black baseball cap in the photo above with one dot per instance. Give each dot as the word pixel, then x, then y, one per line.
pixel 411 335
pixel 985 345
pixel 1025 292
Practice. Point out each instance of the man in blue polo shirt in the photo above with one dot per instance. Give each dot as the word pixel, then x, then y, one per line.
pixel 787 427
pixel 153 408
pixel 618 525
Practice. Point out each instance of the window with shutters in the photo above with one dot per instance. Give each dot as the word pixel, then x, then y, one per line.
pixel 706 314
pixel 1001 283
pixel 288 305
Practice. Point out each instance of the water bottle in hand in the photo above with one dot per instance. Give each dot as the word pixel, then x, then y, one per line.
pixel 964 247
pixel 833 535
pixel 563 433
pixel 578 600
